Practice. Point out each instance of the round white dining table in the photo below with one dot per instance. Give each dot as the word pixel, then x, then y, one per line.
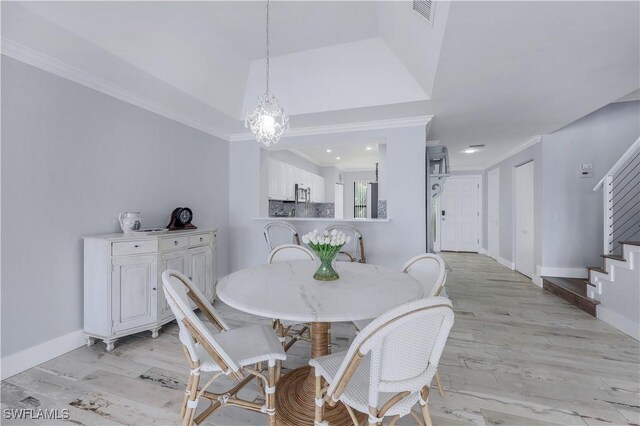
pixel 287 291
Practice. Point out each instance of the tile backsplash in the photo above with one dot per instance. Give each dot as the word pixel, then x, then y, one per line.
pixel 382 209
pixel 286 209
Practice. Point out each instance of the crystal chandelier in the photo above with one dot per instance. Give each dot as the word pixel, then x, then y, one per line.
pixel 268 121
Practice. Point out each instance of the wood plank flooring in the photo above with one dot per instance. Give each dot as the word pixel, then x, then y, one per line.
pixel 517 355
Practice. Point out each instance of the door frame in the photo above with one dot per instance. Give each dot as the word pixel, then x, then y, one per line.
pixel 495 171
pixel 480 180
pixel 514 223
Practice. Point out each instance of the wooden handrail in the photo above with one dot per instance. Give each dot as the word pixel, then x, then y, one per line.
pixel 626 156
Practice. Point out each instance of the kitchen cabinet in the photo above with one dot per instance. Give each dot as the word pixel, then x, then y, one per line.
pixel 123 279
pixel 283 178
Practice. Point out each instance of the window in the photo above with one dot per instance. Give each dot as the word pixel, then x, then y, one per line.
pixel 360 199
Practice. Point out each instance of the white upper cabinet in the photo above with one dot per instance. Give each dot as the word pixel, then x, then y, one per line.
pixel 283 178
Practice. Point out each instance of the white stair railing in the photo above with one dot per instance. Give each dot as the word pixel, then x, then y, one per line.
pixel 621 194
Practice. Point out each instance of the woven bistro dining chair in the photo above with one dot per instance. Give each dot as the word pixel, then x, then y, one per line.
pixel 291 330
pixel 430 269
pixel 354 251
pixel 390 364
pixel 278 233
pixel 236 353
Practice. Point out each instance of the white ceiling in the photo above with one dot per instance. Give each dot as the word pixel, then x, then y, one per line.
pixel 353 154
pixel 496 73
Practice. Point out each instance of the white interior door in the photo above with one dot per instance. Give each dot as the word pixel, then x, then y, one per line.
pixel 524 223
pixel 493 214
pixel 460 214
pixel 339 205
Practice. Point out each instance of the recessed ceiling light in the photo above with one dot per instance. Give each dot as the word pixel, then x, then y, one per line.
pixel 337 158
pixel 328 150
pixel 369 148
pixel 469 151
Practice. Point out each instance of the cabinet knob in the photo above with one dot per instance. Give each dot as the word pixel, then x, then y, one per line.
pixel 154 289
pixel 200 238
pixel 136 246
pixel 190 279
pixel 175 243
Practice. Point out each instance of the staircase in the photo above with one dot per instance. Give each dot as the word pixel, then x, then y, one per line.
pixel 573 290
pixel 612 290
pixel 616 285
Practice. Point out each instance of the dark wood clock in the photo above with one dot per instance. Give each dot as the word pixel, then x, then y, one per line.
pixel 181 218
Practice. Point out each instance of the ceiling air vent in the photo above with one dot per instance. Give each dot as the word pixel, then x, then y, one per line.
pixel 425 8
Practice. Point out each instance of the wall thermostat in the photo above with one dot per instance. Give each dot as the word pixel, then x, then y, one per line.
pixel 586 170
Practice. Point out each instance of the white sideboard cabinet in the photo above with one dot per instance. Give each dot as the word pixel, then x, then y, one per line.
pixel 123 284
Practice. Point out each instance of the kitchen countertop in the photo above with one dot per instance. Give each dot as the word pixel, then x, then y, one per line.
pixel 320 219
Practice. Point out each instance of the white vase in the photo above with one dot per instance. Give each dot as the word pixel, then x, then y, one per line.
pixel 130 221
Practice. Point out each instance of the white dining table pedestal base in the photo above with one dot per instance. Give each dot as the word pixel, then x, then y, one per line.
pixel 295 391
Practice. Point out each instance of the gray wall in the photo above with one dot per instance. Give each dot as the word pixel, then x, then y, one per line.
pixel 387 243
pixel 331 177
pixel 572 224
pixel 72 159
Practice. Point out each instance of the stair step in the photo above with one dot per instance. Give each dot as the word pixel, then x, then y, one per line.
pixel 631 243
pixel 597 269
pixel 614 257
pixel 573 290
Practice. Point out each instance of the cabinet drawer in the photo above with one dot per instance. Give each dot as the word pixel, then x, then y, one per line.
pixel 134 247
pixel 199 240
pixel 174 243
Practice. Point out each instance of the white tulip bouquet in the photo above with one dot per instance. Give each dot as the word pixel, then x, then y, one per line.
pixel 326 246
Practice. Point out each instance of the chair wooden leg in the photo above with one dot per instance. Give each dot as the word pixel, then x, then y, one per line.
pixel 259 381
pixel 187 390
pixel 319 408
pixel 187 419
pixel 424 405
pixel 270 400
pixel 425 415
pixel 439 383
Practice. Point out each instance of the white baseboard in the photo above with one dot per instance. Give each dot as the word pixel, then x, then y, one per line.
pixel 482 251
pixel 509 264
pixel 621 323
pixel 35 355
pixel 552 271
pixel 537 280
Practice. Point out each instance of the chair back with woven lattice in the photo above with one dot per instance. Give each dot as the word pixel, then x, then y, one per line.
pixel 354 250
pixel 179 292
pixel 279 233
pixel 404 345
pixel 287 252
pixel 430 270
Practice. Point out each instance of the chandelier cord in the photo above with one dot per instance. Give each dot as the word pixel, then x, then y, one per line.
pixel 267 64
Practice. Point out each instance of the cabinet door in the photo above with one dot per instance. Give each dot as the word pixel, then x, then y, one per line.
pixel 134 281
pixel 289 182
pixel 202 270
pixel 273 179
pixel 178 261
pixel 281 181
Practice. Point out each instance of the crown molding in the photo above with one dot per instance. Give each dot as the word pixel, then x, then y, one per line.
pixel 534 140
pixel 44 62
pixel 346 127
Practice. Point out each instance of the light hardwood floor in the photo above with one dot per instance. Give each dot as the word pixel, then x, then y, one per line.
pixel 517 355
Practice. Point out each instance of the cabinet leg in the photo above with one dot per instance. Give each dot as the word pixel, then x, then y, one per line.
pixel 110 344
pixel 155 332
pixel 91 341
